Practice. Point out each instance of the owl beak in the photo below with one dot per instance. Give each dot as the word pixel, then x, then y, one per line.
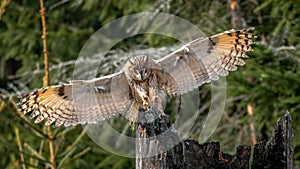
pixel 139 76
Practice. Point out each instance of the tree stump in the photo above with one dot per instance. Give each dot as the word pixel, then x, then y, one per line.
pixel 278 151
pixel 158 146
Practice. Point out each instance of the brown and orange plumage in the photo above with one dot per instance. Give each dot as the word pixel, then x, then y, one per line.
pixel 143 82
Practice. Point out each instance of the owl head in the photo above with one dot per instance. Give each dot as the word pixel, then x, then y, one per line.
pixel 139 68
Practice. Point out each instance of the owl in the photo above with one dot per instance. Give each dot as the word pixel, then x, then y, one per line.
pixel 141 83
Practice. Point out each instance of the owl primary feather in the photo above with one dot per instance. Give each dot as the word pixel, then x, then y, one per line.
pixel 143 82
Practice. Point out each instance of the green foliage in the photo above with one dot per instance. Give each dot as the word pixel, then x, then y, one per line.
pixel 269 81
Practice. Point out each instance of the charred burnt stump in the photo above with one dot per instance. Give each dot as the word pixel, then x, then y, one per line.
pixel 155 134
pixel 158 146
pixel 277 153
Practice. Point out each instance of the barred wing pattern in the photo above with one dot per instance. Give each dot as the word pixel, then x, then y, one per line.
pixel 203 60
pixel 80 101
pixel 198 62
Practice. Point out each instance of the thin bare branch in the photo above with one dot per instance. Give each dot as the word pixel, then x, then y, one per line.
pixel 46 81
pixel 252 128
pixel 20 146
pixel 44 38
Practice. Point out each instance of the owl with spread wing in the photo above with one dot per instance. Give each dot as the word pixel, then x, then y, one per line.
pixel 141 83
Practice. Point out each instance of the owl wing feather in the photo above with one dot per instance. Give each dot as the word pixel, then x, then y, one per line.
pixel 89 101
pixel 80 101
pixel 203 60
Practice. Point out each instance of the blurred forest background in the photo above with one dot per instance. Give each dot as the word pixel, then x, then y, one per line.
pixel 257 94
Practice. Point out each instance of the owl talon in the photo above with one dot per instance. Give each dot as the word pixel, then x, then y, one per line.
pixel 142 109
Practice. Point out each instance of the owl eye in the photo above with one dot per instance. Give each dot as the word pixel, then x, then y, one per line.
pixel 145 73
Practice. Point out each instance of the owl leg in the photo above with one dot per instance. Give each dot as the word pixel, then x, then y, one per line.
pixel 143 94
pixel 145 103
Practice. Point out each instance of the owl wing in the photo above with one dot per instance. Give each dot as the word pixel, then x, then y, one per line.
pixel 79 101
pixel 203 60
